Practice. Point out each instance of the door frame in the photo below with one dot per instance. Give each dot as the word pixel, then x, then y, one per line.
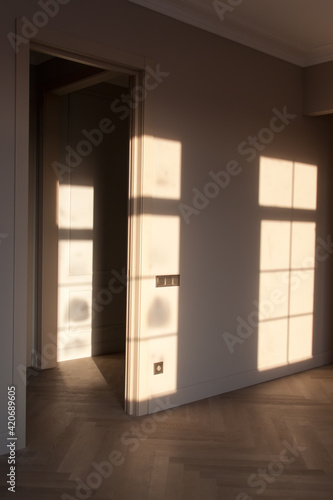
pixel 60 44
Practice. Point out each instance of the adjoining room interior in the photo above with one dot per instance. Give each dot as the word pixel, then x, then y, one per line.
pixel 79 168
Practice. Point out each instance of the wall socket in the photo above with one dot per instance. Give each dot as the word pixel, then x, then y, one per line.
pixel 158 368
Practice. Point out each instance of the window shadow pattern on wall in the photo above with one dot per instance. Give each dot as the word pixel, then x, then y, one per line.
pixel 288 202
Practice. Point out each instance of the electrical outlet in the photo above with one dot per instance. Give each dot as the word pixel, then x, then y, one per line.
pixel 158 368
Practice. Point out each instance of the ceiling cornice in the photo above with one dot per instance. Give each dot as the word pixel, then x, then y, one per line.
pixel 203 15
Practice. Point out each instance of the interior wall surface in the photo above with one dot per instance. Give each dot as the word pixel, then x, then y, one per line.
pixel 217 106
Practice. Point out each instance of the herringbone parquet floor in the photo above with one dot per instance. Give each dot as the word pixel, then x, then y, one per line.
pixel 271 441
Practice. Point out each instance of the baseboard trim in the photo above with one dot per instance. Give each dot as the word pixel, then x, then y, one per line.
pixel 234 382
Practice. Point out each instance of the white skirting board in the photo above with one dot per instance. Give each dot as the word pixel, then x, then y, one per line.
pixel 223 385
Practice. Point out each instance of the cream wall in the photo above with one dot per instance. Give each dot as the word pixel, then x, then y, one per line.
pixel 217 94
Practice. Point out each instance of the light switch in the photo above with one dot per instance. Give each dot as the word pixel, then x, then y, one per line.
pixel 168 280
pixel 160 281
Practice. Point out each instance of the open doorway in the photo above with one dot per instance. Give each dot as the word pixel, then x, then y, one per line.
pixel 79 194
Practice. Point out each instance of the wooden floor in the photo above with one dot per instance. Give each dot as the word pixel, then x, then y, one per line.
pixel 271 441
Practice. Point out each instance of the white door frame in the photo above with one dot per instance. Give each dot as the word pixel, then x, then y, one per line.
pixel 80 50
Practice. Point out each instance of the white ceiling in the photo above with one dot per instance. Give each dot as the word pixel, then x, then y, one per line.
pixel 298 31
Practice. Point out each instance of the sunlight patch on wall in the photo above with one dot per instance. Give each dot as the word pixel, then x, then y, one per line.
pixel 164 310
pixel 165 245
pixel 287 264
pixel 167 169
pixel 287 184
pixel 76 219
pixel 273 343
pixel 275 173
pixel 305 186
pixel 76 207
pixel 160 257
pixel 274 245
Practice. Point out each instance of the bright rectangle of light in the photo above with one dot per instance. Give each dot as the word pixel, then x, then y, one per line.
pixel 303 245
pixel 275 182
pixel 167 169
pixel 273 295
pixel 300 337
pixel 274 245
pixel 80 257
pixel 272 343
pixel 305 186
pixel 165 244
pixel 287 184
pixel 301 292
pixel 76 207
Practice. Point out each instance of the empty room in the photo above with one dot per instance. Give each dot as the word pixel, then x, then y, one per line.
pixel 166 249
